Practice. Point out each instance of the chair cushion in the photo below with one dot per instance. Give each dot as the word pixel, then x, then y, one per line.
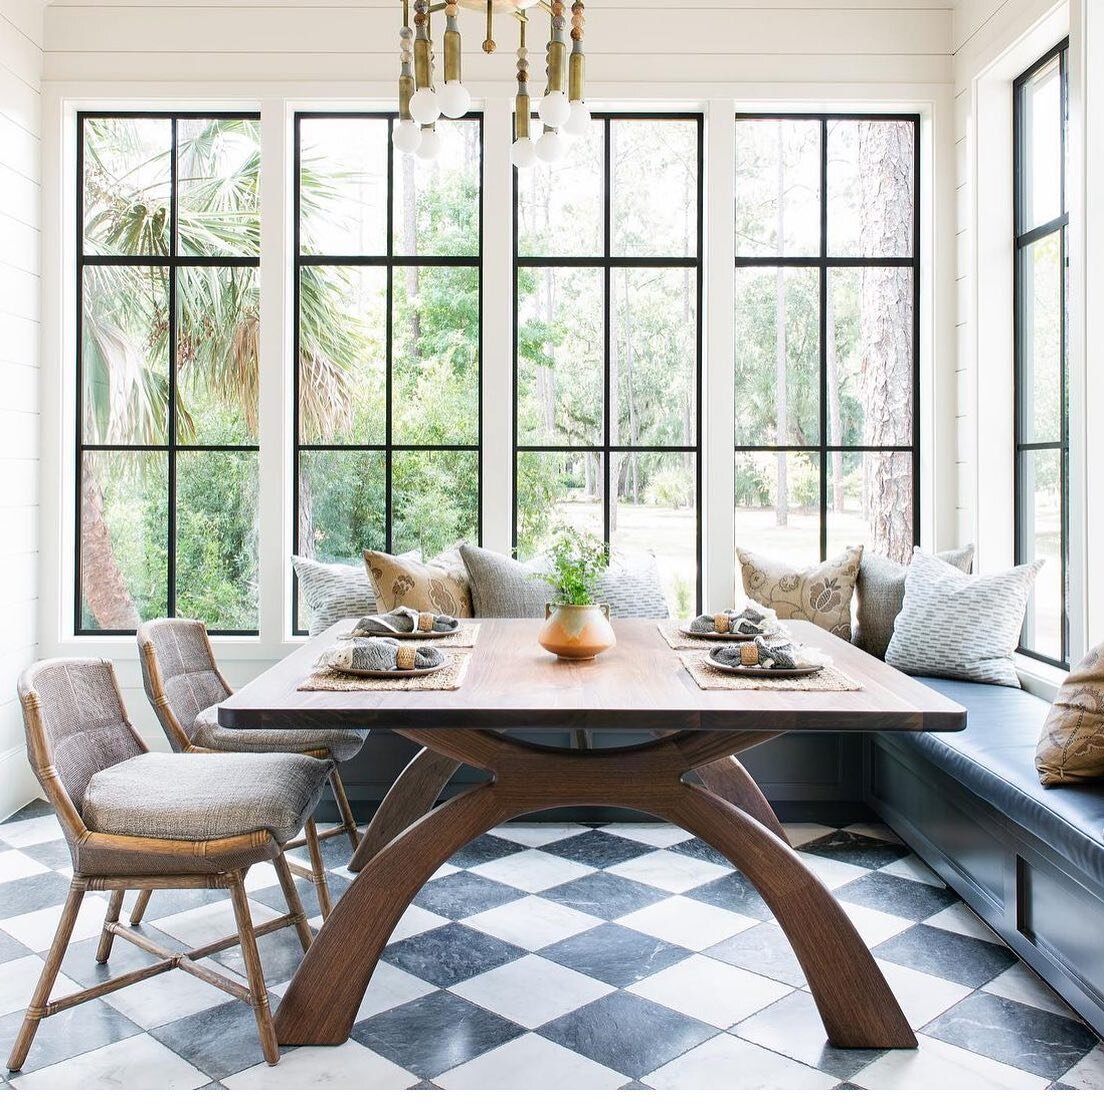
pixel 181 797
pixel 994 757
pixel 342 744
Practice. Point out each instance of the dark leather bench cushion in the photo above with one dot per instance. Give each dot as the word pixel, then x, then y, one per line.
pixel 994 757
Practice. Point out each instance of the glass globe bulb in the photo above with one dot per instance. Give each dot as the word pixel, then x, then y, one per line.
pixel 430 145
pixel 554 109
pixel 523 153
pixel 454 99
pixel 578 122
pixel 425 107
pixel 550 147
pixel 407 136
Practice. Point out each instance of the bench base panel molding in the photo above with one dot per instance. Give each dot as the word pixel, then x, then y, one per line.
pixel 1048 913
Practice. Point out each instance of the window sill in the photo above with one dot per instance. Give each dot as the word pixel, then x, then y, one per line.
pixel 1041 679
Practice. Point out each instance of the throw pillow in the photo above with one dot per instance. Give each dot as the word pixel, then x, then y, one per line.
pixel 439 586
pixel 821 594
pixel 504 587
pixel 954 625
pixel 881 593
pixel 333 592
pixel 1071 748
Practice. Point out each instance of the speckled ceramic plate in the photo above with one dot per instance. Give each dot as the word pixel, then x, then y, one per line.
pixel 764 672
pixel 394 672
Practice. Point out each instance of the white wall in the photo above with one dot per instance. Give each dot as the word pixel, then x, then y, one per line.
pixel 20 304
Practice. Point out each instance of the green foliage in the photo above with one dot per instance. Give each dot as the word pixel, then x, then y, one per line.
pixel 576 561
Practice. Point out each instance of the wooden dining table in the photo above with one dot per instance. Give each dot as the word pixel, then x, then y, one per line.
pixel 664 747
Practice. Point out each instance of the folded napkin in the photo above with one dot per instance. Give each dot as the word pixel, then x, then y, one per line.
pixel 402 620
pixel 754 620
pixel 769 653
pixel 378 654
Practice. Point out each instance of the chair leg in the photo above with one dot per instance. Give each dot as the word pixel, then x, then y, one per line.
pixel 318 868
pixel 294 902
pixel 348 821
pixel 139 910
pixel 254 972
pixel 114 906
pixel 36 1010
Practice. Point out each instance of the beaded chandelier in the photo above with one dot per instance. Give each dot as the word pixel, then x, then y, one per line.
pixel 563 113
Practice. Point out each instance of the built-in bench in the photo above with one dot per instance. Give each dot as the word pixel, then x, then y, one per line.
pixel 1028 859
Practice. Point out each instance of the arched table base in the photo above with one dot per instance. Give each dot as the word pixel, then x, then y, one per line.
pixel 856 1004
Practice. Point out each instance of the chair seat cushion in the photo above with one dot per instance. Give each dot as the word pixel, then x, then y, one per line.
pixel 994 757
pixel 342 744
pixel 181 797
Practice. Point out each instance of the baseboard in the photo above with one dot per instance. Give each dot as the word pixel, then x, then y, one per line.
pixel 18 786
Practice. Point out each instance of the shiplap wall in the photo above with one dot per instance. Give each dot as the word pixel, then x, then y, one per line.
pixel 21 41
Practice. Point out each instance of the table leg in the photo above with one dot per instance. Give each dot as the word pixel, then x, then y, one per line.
pixel 728 778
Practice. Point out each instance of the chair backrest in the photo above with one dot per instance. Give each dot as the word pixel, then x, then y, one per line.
pixel 76 725
pixel 180 675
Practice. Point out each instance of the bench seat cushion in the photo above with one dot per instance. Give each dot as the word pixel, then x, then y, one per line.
pixel 205 797
pixel 994 757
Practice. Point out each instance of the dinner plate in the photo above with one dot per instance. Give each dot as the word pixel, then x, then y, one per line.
pixel 764 672
pixel 400 635
pixel 394 672
pixel 730 637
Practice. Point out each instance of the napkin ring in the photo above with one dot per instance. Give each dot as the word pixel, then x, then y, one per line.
pixel 722 622
pixel 749 655
pixel 406 657
pixel 425 622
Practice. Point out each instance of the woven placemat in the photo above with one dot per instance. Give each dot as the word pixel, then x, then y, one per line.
pixel 448 678
pixel 464 637
pixel 671 631
pixel 830 679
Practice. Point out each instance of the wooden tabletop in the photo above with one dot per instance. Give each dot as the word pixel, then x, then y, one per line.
pixel 640 684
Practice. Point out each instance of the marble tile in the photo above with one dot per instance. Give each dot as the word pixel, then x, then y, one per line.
pixel 165 998
pixel 846 846
pixel 168 903
pixel 938 1066
pixel 1088 1073
pixel 32 830
pixel 54 854
pixel 533 870
pixel 923 997
pixel 710 991
pixel 18 865
pixel 450 955
pixel 67 1033
pixel 348 1066
pixel 36 891
pixel 18 979
pixel 912 867
pixel 483 849
pixel 726 1063
pixel 138 1063
pixel 832 872
pixel 531 1063
pixel 415 920
pixel 609 1031
pixel 462 894
pixel 532 990
pixel 689 924
pixel 206 923
pixel 670 871
pixel 11 949
pixel 434 1034
pixel 949 955
pixel 273 896
pixel 764 950
pixel 281 954
pixel 732 892
pixel 1022 1036
pixel 873 925
pixel 36 930
pixel 538 833
pixel 699 849
pixel 597 848
pixel 903 898
pixel 1021 984
pixel 261 876
pixel 874 830
pixel 655 836
pixel 615 954
pixel 389 987
pixel 532 922
pixel 219 1041
pixel 961 919
pixel 805 832
pixel 604 895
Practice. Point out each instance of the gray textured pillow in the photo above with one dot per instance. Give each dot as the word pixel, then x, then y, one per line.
pixel 504 587
pixel 881 593
pixel 333 591
pixel 955 625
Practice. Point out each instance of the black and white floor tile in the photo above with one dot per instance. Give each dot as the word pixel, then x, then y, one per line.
pixel 553 956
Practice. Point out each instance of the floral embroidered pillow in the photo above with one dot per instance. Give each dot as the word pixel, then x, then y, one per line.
pixel 439 586
pixel 821 594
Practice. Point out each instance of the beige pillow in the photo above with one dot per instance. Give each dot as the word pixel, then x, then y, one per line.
pixel 439 586
pixel 1071 748
pixel 821 594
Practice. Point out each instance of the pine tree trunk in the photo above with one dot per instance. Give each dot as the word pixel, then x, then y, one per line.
pixel 102 584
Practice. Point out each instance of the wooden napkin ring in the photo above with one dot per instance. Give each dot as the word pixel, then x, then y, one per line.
pixel 749 655
pixel 425 622
pixel 722 622
pixel 406 657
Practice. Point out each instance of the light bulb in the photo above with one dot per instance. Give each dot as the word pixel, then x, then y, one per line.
pixel 523 153
pixel 407 136
pixel 554 109
pixel 425 107
pixel 578 122
pixel 455 100
pixel 430 145
pixel 550 147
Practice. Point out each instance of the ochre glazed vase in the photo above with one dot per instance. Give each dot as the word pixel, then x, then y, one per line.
pixel 577 631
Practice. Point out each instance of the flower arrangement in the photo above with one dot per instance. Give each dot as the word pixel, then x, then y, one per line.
pixel 575 564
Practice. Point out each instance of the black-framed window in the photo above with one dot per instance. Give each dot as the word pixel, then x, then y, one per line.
pixel 607 367
pixel 388 307
pixel 168 243
pixel 1041 278
pixel 827 334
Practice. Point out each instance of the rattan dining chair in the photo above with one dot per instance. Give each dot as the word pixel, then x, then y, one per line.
pixel 185 685
pixel 140 820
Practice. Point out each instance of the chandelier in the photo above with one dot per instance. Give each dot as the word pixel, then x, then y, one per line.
pixel 563 112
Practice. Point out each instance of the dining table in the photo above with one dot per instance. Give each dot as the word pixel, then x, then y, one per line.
pixel 631 729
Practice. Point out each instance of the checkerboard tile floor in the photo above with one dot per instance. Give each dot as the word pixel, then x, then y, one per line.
pixel 554 956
